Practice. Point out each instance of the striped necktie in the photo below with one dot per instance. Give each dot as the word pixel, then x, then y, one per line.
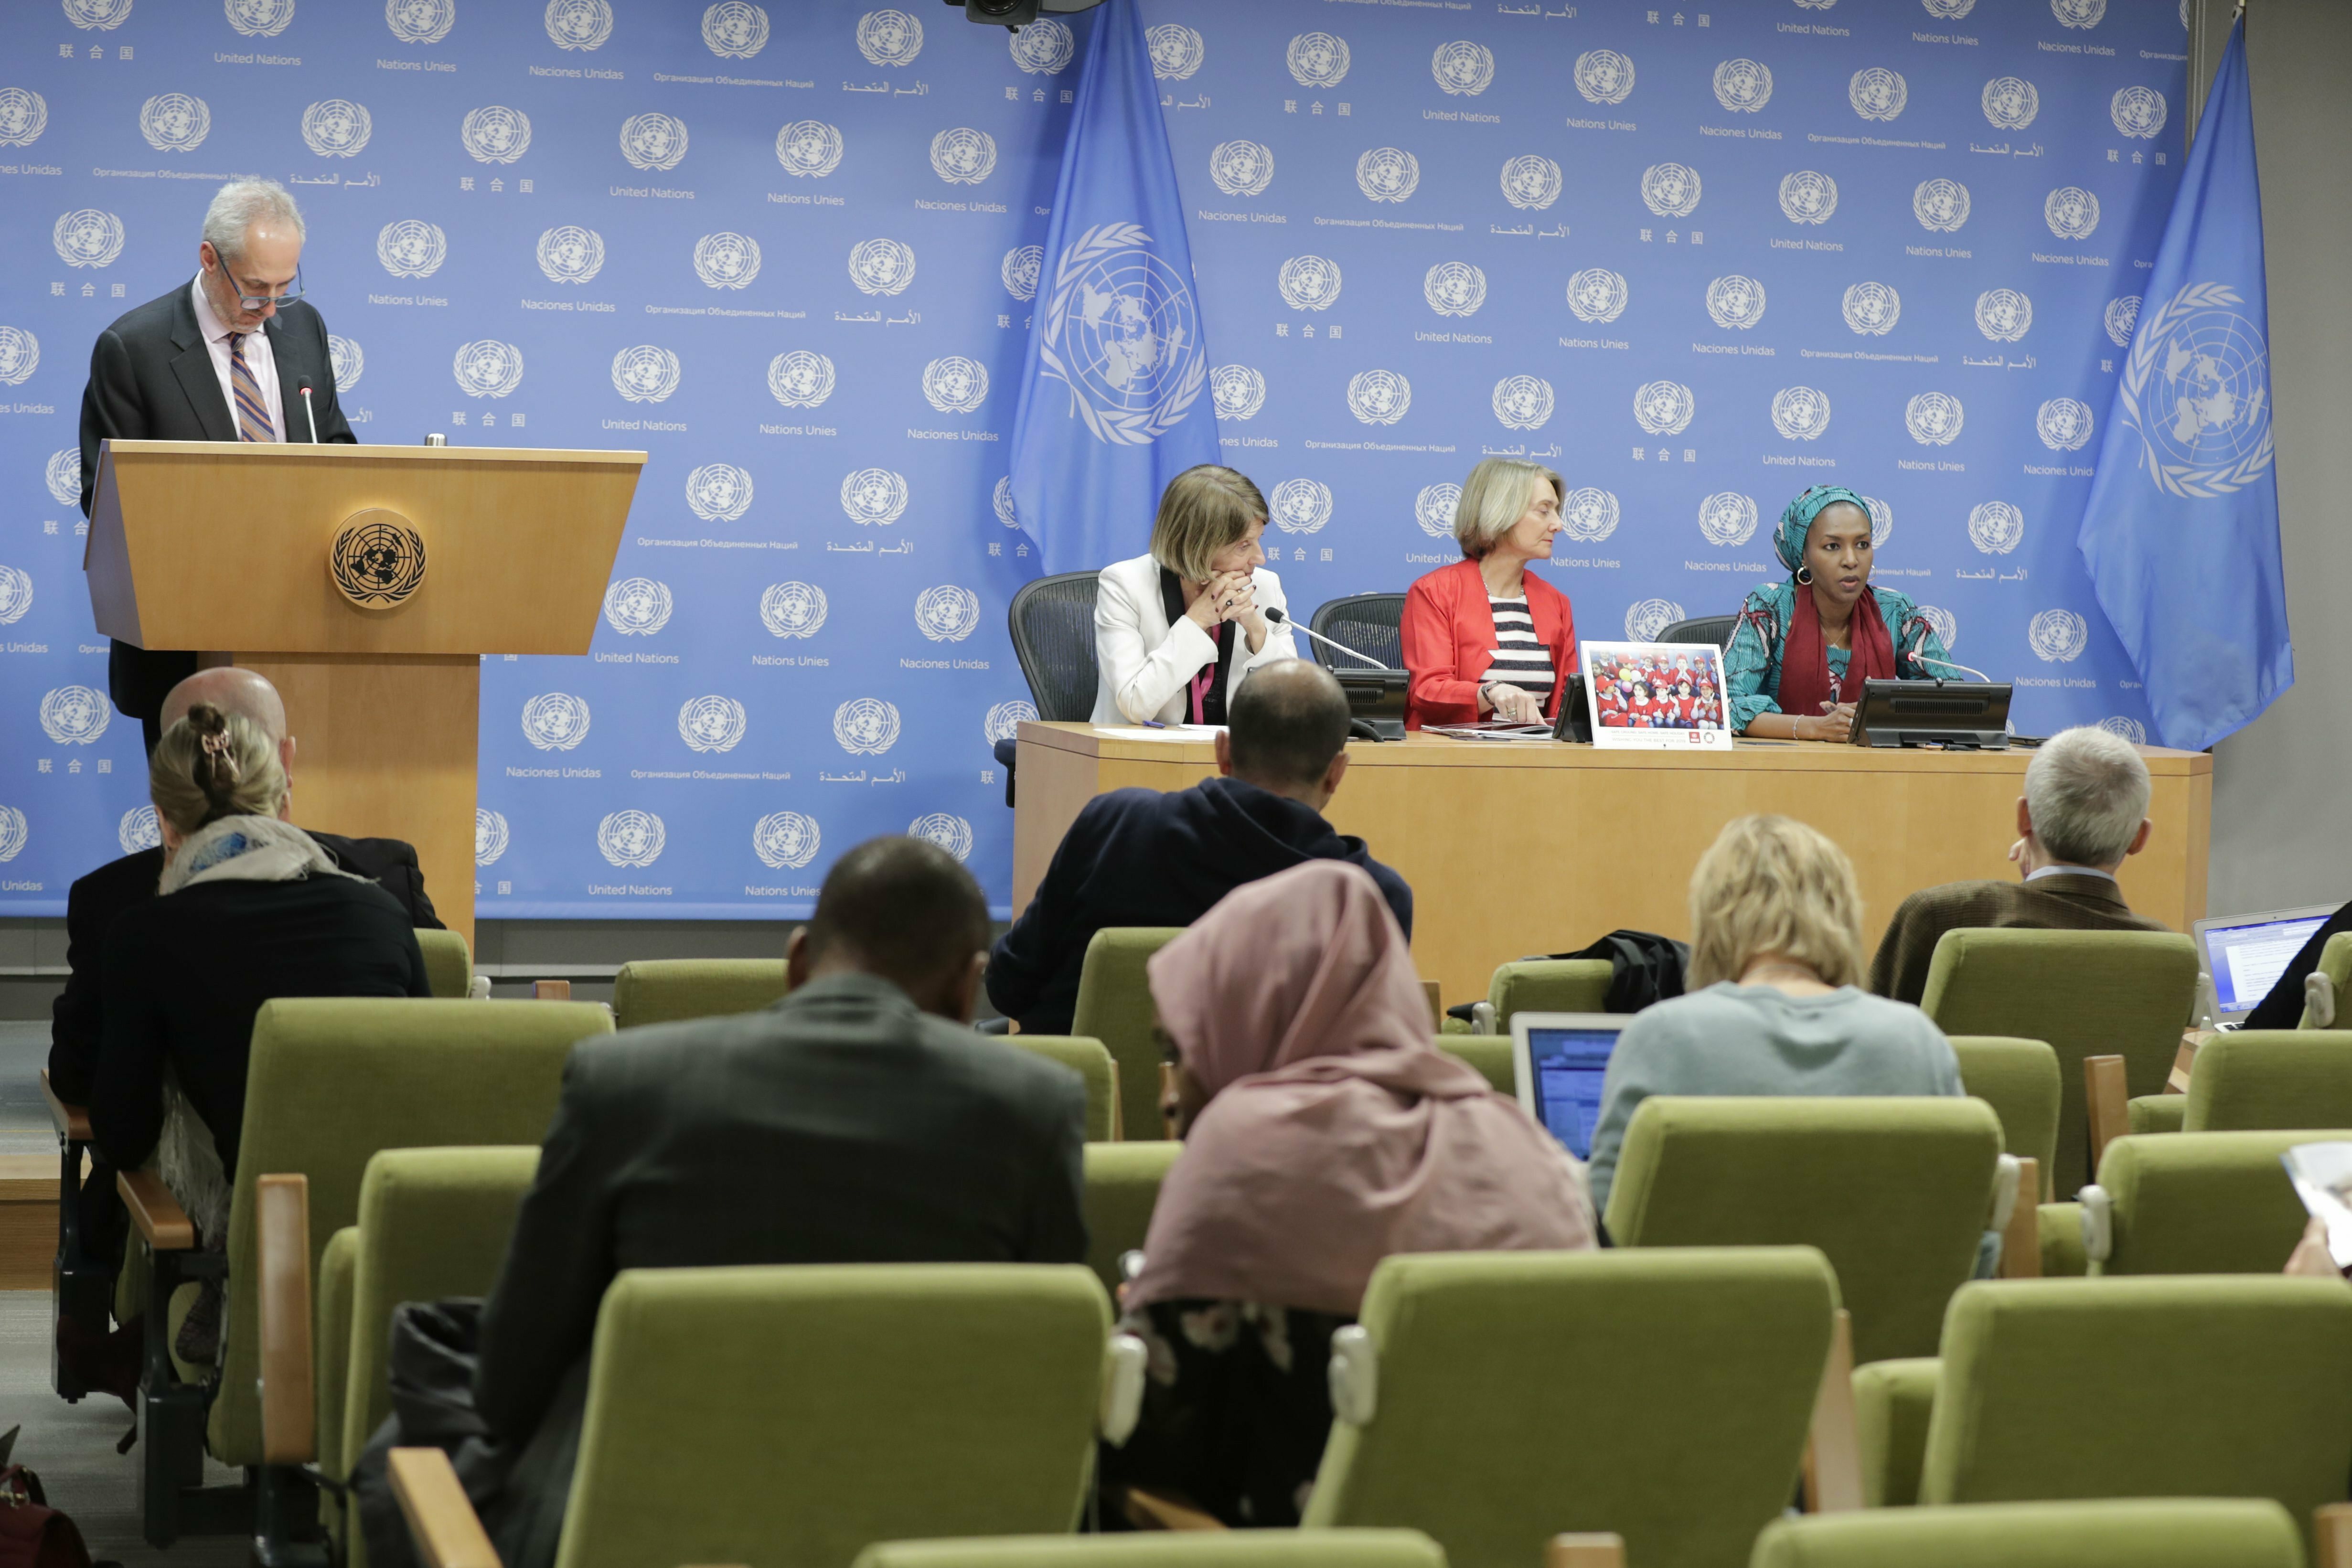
pixel 252 411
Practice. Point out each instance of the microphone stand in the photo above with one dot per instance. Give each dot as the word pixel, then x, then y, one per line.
pixel 1947 664
pixel 1277 618
pixel 308 416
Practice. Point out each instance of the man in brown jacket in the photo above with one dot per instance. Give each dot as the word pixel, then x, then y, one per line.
pixel 2084 810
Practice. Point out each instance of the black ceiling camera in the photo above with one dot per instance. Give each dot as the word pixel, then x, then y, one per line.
pixel 1017 14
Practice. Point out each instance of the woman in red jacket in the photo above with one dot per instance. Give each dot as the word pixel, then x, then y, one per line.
pixel 1482 638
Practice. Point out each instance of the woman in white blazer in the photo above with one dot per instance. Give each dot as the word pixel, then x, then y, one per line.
pixel 1177 629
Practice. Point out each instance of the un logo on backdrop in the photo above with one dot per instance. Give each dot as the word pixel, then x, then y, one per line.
pixel 15 830
pixel 490 837
pixel 1318 60
pixel 1663 408
pixel 345 362
pixel 411 247
pixel 873 496
pixel 1434 508
pixel 711 723
pixel 952 835
pixel 63 475
pixel 488 368
pixel 139 830
pixel 1004 721
pixel 2071 212
pixel 1021 269
pixel 1001 500
pixel 336 128
pixel 637 606
pixel 2010 103
pixel 174 122
pixel 1454 288
pixel 1597 295
pixel 963 156
pixel 800 379
pixel 2058 636
pixel 1877 93
pixel 1603 76
pixel 579 24
pixel 1727 518
pixel 718 492
pixel 1044 48
pixel 555 721
pixel 1523 402
pixel 2138 112
pixel 2063 424
pixel 787 839
pixel 2004 315
pixel 1300 506
pixel 631 837
pixel 1808 196
pixel 1734 301
pixel 809 149
pixel 726 260
pixel 955 384
pixel 734 31
pixel 1242 168
pixel 2131 729
pixel 1530 182
pixel 1308 282
pixel 645 373
pixel 420 21
pixel 1933 418
pixel 571 254
pixel 1379 397
pixel 1941 205
pixel 1881 519
pixel 866 727
pixel 792 610
pixel 1801 414
pixel 1646 619
pixel 1873 309
pixel 1743 87
pixel 1944 623
pixel 889 37
pixel 1237 390
pixel 1589 515
pixel 1463 69
pixel 2121 317
pixel 88 237
pixel 881 265
pixel 15 594
pixel 102 15
pixel 2197 388
pixel 24 115
pixel 1949 10
pixel 494 134
pixel 20 355
pixel 1388 173
pixel 1996 527
pixel 74 715
pixel 653 141
pixel 947 613
pixel 1177 51
pixel 1671 190
pixel 1122 332
pixel 2085 14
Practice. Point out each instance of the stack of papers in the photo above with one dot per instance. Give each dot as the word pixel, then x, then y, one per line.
pixel 2321 1174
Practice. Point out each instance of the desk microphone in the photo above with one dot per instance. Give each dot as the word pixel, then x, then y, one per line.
pixel 1279 619
pixel 1947 664
pixel 303 386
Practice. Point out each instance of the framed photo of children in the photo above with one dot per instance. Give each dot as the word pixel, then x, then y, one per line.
pixel 1659 696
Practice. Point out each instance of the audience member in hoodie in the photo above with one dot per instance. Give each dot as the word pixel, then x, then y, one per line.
pixel 1141 857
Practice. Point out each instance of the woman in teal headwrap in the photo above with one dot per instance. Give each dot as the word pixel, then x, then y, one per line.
pixel 1803 648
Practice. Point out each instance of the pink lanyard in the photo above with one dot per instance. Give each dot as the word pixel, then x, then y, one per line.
pixel 1205 679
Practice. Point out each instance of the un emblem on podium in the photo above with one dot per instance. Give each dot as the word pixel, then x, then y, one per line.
pixel 377 560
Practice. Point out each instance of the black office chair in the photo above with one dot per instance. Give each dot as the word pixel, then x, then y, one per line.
pixel 1053 624
pixel 1368 622
pixel 1715 629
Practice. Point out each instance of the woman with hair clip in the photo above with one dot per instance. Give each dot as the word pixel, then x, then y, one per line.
pixel 249 907
pixel 1803 648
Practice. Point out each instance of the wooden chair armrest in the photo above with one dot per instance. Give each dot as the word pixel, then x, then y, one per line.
pixel 440 1520
pixel 2331 1534
pixel 1437 1021
pixel 550 990
pixel 282 1247
pixel 158 1215
pixel 1149 1510
pixel 1604 1549
pixel 1834 1451
pixel 2108 1102
pixel 71 1119
pixel 2021 1243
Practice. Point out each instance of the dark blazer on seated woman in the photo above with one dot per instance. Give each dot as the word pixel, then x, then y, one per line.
pixel 1450 641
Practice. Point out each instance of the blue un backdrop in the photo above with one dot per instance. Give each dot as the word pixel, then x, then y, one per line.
pixel 1694 258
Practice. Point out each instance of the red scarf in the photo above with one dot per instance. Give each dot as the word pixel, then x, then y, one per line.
pixel 1805 681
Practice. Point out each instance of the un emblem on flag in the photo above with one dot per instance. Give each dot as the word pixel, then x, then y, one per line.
pixel 1123 333
pixel 2197 388
pixel 1590 514
pixel 377 560
pixel 787 839
pixel 2010 103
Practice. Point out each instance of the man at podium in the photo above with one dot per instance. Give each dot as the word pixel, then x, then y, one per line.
pixel 236 355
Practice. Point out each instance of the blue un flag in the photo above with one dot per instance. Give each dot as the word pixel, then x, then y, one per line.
pixel 1111 407
pixel 2181 530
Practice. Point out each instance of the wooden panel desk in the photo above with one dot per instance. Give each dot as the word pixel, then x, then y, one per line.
pixel 1520 849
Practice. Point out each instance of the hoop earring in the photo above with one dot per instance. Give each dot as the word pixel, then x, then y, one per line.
pixel 1805 577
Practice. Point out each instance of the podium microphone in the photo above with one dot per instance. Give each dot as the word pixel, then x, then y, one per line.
pixel 1279 619
pixel 1947 664
pixel 303 386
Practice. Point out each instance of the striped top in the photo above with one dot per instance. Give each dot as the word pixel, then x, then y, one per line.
pixel 1519 659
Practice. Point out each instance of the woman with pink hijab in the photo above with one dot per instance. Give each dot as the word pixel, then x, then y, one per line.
pixel 1323 1132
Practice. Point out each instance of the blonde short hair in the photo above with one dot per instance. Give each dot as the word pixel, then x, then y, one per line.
pixel 1773 886
pixel 1204 510
pixel 1495 497
pixel 238 775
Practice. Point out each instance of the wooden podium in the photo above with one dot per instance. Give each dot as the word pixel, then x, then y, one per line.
pixel 224 548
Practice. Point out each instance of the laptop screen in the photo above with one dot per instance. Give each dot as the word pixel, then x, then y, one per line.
pixel 2246 960
pixel 1568 1065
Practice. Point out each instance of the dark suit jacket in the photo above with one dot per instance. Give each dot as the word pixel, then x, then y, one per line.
pixel 2062 903
pixel 151 379
pixel 76 1019
pixel 840 1126
pixel 2283 1007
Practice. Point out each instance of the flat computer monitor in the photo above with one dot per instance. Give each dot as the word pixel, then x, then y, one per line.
pixel 1558 1062
pixel 2243 955
pixel 1970 716
pixel 1376 698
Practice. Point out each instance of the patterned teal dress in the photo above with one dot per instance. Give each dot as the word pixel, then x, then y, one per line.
pixel 1752 665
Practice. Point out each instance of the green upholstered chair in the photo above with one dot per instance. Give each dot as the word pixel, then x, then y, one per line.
pixel 1468 1398
pixel 2254 1079
pixel 1543 985
pixel 2155 1112
pixel 2210 1203
pixel 2019 1079
pixel 1892 1403
pixel 2086 993
pixel 1489 1054
pixel 1897 1192
pixel 665 990
pixel 1205 1549
pixel 1122 1187
pixel 2123 1533
pixel 1092 1063
pixel 796 1415
pixel 2336 964
pixel 1115 1006
pixel 448 963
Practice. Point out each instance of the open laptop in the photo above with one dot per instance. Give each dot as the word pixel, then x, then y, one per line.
pixel 2243 955
pixel 1558 1061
